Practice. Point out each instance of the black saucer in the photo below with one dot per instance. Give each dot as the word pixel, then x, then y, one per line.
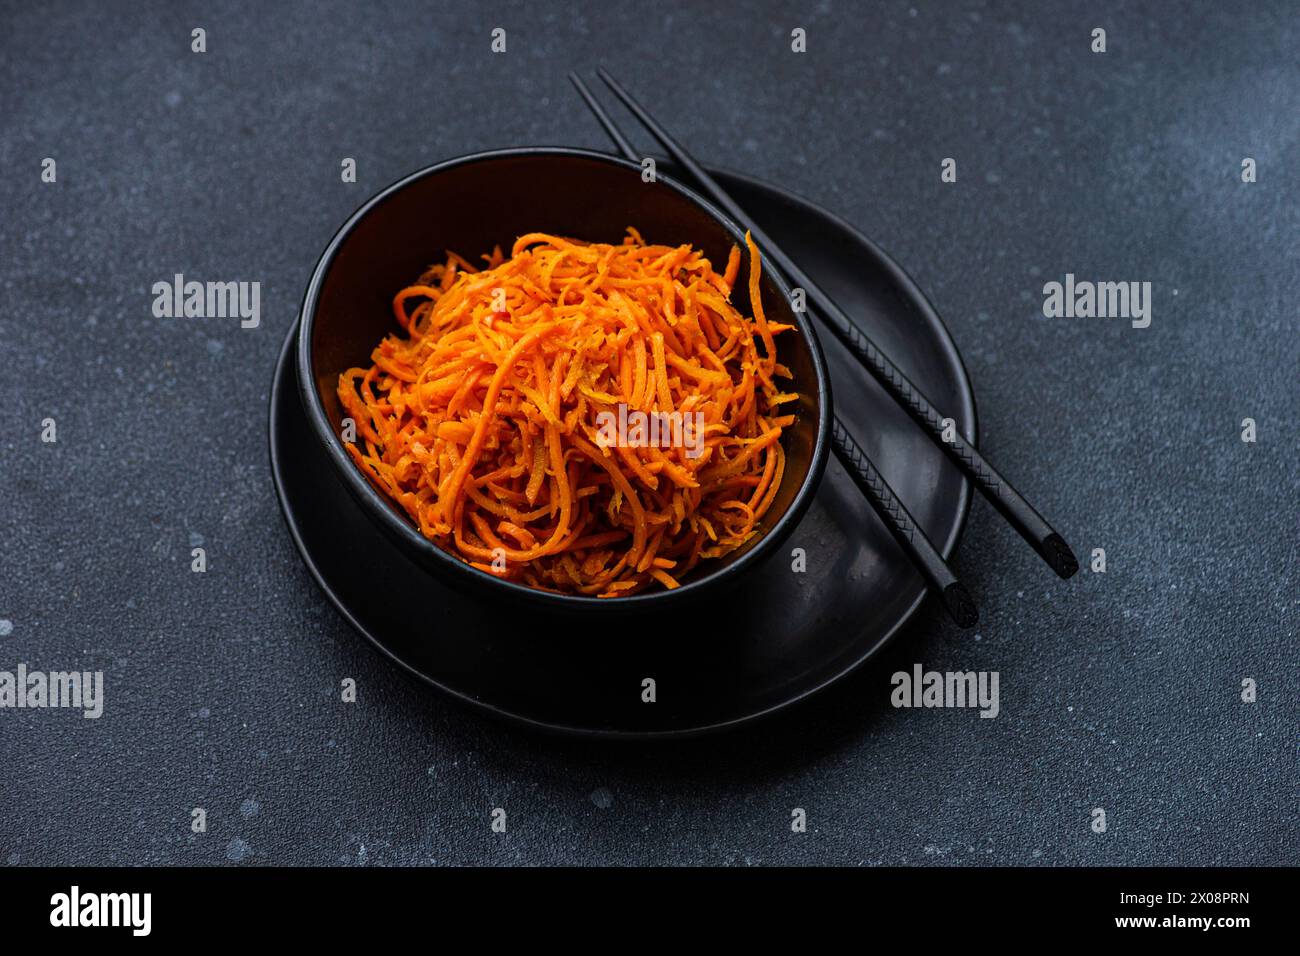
pixel 777 638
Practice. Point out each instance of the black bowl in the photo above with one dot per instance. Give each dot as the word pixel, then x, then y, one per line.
pixel 469 205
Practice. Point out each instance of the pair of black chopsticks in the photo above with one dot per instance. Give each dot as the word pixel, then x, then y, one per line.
pixel 922 552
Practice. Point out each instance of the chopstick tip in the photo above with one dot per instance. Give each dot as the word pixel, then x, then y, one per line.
pixel 1059 555
pixel 960 605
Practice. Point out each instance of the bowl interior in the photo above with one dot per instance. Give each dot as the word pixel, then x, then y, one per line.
pixel 472 205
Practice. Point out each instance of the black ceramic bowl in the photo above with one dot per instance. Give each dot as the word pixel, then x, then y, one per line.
pixel 469 205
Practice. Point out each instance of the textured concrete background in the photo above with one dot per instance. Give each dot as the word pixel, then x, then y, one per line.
pixel 1119 691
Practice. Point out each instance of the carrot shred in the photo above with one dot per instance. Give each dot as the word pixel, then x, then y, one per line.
pixel 482 417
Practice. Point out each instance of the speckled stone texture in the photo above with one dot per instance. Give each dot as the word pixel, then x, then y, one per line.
pixel 1119 690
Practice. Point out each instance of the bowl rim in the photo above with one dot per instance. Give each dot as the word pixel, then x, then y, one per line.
pixel 411 538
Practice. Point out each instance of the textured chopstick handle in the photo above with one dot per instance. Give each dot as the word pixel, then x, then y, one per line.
pixel 1050 545
pixel 923 554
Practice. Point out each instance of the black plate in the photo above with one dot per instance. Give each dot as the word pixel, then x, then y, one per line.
pixel 778 637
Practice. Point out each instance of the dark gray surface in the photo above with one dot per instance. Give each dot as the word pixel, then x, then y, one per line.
pixel 1118 691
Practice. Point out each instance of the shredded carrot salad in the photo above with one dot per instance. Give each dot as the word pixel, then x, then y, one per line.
pixel 485 417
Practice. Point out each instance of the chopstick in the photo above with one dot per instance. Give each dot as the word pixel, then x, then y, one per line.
pixel 1018 512
pixel 956 600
